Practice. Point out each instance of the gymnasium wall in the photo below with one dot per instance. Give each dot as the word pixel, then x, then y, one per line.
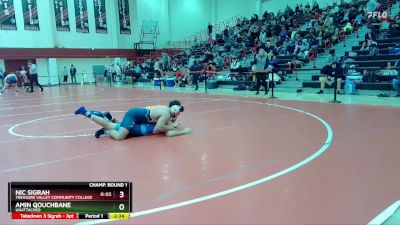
pixel 73 39
pixel 227 9
pixel 48 37
pixel 188 17
pixel 29 39
pixel 153 10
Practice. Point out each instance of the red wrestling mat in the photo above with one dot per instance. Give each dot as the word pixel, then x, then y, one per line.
pixel 248 160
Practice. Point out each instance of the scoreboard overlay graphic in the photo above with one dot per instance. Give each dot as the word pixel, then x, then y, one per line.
pixel 69 200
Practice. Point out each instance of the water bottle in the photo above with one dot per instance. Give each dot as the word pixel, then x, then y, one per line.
pixel 353 87
pixel 347 87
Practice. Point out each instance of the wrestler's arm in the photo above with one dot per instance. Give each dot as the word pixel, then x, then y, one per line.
pixel 162 125
pixel 176 130
pixel 173 125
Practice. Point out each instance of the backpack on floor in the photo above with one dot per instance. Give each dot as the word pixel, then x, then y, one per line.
pixel 240 87
pixel 350 87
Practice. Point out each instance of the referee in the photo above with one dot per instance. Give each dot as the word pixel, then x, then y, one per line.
pixel 33 76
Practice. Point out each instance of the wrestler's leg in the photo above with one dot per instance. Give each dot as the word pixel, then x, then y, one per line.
pixel 107 124
pixel 118 135
pixel 6 85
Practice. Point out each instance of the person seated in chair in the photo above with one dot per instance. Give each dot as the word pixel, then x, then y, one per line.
pixel 388 71
pixel 329 74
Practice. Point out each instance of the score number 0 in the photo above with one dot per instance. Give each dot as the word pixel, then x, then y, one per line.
pixel 121 206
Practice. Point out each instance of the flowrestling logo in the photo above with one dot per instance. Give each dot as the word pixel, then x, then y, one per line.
pixel 379 15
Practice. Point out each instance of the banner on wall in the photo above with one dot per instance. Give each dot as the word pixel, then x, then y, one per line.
pixel 61 14
pixel 7 15
pixel 124 17
pixel 81 15
pixel 30 11
pixel 100 16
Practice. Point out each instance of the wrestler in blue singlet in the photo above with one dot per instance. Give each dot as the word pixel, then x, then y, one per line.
pixel 11 80
pixel 135 116
pixel 139 130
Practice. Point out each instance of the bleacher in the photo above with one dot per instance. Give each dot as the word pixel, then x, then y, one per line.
pixel 283 61
pixel 364 61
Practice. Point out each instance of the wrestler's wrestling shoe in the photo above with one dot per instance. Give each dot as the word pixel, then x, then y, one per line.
pixel 99 132
pixel 108 116
pixel 81 111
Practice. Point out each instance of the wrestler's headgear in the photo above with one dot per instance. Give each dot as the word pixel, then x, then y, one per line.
pixel 176 107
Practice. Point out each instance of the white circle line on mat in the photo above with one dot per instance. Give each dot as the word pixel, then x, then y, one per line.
pixel 13 127
pixel 292 168
pixel 11 130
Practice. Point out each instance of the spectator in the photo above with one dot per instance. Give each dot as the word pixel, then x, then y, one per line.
pixel 284 48
pixel 210 29
pixel 263 37
pixel 315 7
pixel 25 82
pixel 192 59
pixel 370 35
pixel 293 66
pixel 346 17
pixel 332 58
pixel 373 49
pixel 157 68
pixel 245 63
pixel 65 74
pixel 329 74
pixel 328 21
pixel 364 46
pixel 338 74
pixel 352 74
pixel 360 19
pixel 261 75
pixel 72 72
pixel 138 71
pixel 118 72
pixel 388 71
pixel 372 5
pixel 165 59
pixel 196 73
pixel 283 34
pixel 220 62
pixel 196 42
pixel 226 32
pixel 348 27
pixel 21 76
pixel 235 64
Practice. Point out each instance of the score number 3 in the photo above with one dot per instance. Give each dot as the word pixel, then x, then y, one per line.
pixel 121 195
